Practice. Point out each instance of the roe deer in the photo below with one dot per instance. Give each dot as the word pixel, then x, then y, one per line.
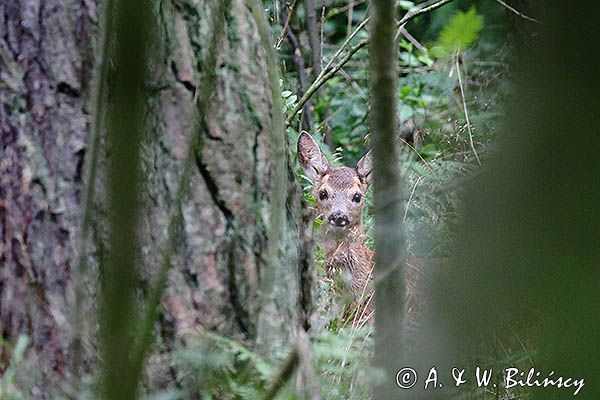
pixel 339 194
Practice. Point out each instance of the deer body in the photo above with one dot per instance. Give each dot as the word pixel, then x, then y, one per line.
pixel 348 252
pixel 339 193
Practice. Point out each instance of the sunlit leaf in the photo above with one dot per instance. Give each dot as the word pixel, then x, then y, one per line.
pixel 460 33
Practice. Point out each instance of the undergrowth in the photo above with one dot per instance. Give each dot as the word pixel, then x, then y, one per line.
pixel 440 149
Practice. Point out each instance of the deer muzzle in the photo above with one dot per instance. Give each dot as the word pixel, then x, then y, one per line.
pixel 338 219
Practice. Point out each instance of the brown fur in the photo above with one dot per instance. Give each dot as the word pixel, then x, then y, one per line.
pixel 344 246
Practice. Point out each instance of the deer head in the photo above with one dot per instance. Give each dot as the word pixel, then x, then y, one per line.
pixel 339 191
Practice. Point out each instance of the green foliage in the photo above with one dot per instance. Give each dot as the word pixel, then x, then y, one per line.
pixel 221 368
pixel 343 363
pixel 436 155
pixel 289 99
pixel 460 33
pixel 433 199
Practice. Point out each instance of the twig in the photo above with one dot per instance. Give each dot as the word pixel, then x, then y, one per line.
pixel 336 11
pixel 286 25
pixel 411 39
pixel 422 9
pixel 326 76
pixel 464 104
pixel 330 69
pixel 298 61
pixel 345 44
pixel 410 197
pixel 519 13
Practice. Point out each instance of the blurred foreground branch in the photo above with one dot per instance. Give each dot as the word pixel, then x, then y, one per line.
pixel 208 81
pixel 390 243
pixel 277 208
pixel 91 160
pixel 119 379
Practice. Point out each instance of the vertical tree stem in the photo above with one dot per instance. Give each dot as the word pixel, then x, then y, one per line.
pixel 279 182
pixel 208 85
pixel 98 98
pixel 390 247
pixel 125 125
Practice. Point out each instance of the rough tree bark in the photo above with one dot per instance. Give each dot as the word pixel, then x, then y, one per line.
pixel 45 65
pixel 46 59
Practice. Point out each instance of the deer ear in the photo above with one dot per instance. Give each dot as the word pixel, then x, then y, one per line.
pixel 364 166
pixel 311 159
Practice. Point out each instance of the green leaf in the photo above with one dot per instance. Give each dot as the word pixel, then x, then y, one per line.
pixel 425 59
pixel 430 151
pixel 460 33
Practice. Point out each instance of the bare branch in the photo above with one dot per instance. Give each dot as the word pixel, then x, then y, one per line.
pixel 422 8
pixel 286 25
pixel 519 13
pixel 411 39
pixel 331 69
pixel 326 76
pixel 346 43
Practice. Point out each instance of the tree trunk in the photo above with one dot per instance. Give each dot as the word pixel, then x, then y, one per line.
pixel 390 241
pixel 45 66
pixel 46 61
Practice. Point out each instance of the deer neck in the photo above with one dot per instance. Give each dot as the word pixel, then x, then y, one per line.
pixel 345 251
pixel 339 243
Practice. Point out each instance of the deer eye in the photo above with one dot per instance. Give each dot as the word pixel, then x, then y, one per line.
pixel 323 195
pixel 356 198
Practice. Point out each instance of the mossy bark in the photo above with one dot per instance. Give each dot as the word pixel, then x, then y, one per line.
pixel 45 69
pixel 46 63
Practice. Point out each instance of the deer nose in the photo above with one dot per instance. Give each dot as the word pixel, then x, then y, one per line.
pixel 338 219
